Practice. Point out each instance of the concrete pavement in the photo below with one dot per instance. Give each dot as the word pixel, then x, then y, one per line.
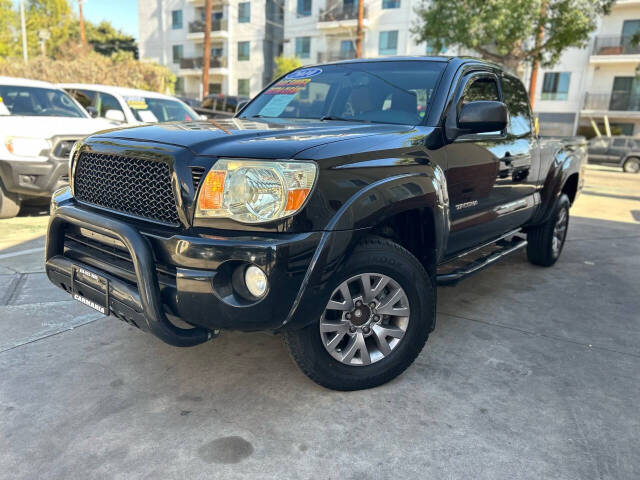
pixel 530 373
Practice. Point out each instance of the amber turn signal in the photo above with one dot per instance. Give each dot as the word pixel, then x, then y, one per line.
pixel 212 189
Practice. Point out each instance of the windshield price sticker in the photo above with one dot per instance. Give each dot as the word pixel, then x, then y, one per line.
pixel 304 73
pixel 137 103
pixel 288 87
pixel 276 105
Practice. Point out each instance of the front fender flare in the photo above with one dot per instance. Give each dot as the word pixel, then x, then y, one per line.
pixel 356 217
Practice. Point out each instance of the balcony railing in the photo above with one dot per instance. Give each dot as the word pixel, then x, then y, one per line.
pixel 335 56
pixel 336 15
pixel 616 45
pixel 616 101
pixel 197 26
pixel 197 62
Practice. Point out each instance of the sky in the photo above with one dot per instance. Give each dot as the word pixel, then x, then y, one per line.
pixel 123 14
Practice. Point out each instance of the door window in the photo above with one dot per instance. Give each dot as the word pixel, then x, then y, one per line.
pixel 84 97
pixel 620 142
pixel 482 88
pixel 108 102
pixel 517 101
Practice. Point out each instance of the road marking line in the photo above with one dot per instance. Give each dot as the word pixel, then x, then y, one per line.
pixel 21 252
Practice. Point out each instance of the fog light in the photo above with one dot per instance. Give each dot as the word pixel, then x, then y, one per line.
pixel 256 281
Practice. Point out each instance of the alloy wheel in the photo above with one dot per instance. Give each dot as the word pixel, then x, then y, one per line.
pixel 365 319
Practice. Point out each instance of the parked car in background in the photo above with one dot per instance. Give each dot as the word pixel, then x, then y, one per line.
pixel 220 102
pixel 39 124
pixel 192 102
pixel 619 151
pixel 128 105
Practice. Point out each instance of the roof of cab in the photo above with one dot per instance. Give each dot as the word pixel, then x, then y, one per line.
pixel 122 91
pixel 459 60
pixel 26 82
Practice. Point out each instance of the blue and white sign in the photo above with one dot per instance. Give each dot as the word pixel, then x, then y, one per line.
pixel 304 73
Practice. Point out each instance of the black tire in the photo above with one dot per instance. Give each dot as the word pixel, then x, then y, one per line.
pixel 9 204
pixel 377 255
pixel 540 240
pixel 631 165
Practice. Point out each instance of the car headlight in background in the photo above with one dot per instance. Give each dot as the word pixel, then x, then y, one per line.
pixel 27 146
pixel 255 191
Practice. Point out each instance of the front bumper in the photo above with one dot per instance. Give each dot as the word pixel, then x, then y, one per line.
pixel 34 179
pixel 155 279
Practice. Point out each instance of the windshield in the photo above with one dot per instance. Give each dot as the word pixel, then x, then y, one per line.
pixel 147 109
pixel 396 92
pixel 37 102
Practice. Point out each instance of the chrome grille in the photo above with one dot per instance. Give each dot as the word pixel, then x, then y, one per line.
pixel 131 185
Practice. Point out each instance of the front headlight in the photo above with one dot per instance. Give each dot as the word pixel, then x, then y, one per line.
pixel 255 191
pixel 27 146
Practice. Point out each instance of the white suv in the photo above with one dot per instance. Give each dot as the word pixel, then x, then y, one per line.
pixel 130 106
pixel 39 124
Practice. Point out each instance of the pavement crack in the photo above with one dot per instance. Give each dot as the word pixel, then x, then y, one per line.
pixel 49 335
pixel 13 290
pixel 543 335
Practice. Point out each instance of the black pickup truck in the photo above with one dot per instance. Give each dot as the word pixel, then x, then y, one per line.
pixel 328 210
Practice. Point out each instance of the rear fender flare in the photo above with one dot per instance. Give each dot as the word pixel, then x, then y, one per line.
pixel 565 163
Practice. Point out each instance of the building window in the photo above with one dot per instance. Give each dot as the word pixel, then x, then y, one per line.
pixel 244 12
pixel 303 47
pixel 390 3
pixel 243 51
pixel 555 86
pixel 176 19
pixel 304 8
pixel 388 43
pixel 177 53
pixel 243 87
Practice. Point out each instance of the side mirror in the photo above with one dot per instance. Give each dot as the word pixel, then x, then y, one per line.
pixel 115 115
pixel 241 105
pixel 93 111
pixel 482 116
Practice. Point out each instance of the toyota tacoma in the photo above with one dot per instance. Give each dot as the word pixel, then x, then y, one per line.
pixel 327 210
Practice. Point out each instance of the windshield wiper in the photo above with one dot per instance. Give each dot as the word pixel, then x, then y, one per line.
pixel 340 119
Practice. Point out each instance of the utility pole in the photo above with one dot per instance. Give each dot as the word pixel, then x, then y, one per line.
pixel 536 64
pixel 24 33
pixel 83 38
pixel 359 30
pixel 206 57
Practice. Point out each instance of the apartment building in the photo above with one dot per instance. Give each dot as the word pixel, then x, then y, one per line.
pixel 325 30
pixel 245 38
pixel 602 80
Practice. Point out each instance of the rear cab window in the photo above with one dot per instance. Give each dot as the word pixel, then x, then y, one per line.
pixel 517 102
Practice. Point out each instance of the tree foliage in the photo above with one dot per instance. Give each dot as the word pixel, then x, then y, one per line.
pixel 80 66
pixel 105 39
pixel 504 31
pixel 62 26
pixel 285 65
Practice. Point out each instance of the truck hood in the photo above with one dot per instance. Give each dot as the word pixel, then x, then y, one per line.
pixel 47 127
pixel 237 137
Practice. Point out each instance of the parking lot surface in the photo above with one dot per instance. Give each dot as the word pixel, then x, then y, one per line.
pixel 530 373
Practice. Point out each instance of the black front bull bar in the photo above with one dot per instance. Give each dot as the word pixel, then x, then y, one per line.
pixel 145 301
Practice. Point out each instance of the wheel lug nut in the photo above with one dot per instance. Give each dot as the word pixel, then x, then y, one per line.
pixel 376 318
pixel 358 303
pixel 372 305
pixel 366 329
pixel 352 329
pixel 348 316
